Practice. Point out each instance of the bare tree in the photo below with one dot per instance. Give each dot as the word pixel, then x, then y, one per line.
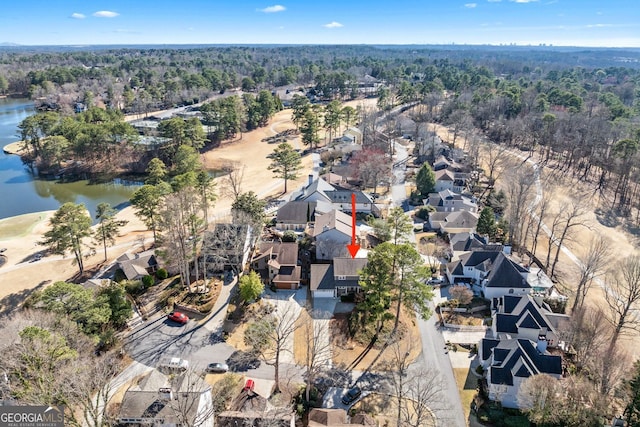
pixel 417 393
pixel 96 389
pixel 519 198
pixel 48 360
pixel 190 390
pixel 494 154
pixel 591 265
pixel 234 176
pixel 538 397
pixel 318 348
pixel 538 212
pixel 424 394
pixel 622 295
pixel 588 332
pixel 271 337
pixel 572 217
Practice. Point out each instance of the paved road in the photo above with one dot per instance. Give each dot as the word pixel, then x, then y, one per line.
pixel 448 410
pixel 435 359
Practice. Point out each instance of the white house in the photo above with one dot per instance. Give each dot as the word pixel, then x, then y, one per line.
pixel 448 201
pixel 320 191
pixel 158 400
pixel 510 362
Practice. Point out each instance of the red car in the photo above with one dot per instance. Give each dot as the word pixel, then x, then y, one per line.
pixel 178 317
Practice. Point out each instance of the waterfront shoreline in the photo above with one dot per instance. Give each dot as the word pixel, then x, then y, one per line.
pixel 15 148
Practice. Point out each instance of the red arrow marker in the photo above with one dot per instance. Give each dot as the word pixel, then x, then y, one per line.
pixel 353 247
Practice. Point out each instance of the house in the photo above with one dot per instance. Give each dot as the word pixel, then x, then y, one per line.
pixel 507 277
pixel 510 362
pixel 446 179
pixel 277 263
pixel 340 198
pixel 471 267
pixel 352 135
pixel 525 317
pixel 159 400
pixel 296 215
pixel 136 266
pixel 332 233
pixel 461 243
pixel 442 162
pixel 337 279
pixel 448 201
pixel 226 247
pixel 453 222
pixel 322 417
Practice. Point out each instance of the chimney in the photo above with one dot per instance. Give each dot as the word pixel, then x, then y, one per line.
pixel 310 179
pixel 165 394
pixel 541 346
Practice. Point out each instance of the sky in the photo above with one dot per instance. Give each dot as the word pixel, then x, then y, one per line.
pixel 611 23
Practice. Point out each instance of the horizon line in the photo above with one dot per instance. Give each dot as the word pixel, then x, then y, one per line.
pixel 540 45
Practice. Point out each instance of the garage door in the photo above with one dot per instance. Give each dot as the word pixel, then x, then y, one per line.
pixel 323 293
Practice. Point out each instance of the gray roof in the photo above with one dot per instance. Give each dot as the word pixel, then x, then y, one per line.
pixel 149 405
pixel 348 266
pixel 344 196
pixel 321 277
pixel 296 212
pixel 333 219
pixel 136 265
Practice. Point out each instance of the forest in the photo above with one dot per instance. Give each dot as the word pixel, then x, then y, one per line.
pixel 577 108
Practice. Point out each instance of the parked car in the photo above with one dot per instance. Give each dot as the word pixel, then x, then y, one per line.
pixel 351 396
pixel 176 316
pixel 175 364
pixel 438 280
pixel 217 368
pixel 249 386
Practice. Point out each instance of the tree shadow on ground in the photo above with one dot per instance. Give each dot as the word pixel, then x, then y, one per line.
pixel 12 303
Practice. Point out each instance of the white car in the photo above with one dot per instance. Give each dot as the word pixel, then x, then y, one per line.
pixel 438 280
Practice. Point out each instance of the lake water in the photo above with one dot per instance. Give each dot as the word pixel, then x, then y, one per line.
pixel 21 192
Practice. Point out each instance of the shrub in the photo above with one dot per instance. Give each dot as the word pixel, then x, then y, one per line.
pixel 347 298
pixel 423 213
pixel 119 276
pixel 148 281
pixel 479 370
pixel 134 287
pixel 162 274
pixel 289 236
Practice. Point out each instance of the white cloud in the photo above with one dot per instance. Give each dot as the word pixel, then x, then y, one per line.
pixel 105 14
pixel 76 15
pixel 273 9
pixel 470 5
pixel 333 24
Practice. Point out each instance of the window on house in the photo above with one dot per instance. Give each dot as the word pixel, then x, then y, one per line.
pixel 341 277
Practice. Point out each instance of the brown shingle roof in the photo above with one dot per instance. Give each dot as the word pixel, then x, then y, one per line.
pixel 334 219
